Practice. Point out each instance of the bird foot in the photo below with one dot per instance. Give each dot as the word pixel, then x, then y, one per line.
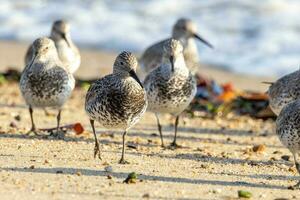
pixel 295 187
pixel 57 134
pixel 34 131
pixel 123 161
pixel 174 145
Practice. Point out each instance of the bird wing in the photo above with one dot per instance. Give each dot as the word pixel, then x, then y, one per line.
pixel 152 56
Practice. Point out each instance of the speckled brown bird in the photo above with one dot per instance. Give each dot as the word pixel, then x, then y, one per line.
pixel 45 82
pixel 288 130
pixel 184 30
pixel 171 86
pixel 118 100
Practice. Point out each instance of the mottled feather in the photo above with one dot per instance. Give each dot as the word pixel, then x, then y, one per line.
pixel 115 102
pixel 284 91
pixel 45 82
pixel 170 91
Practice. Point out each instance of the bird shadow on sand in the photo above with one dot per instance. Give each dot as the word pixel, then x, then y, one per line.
pixel 104 135
pixel 217 131
pixel 168 134
pixel 122 175
pixel 184 134
pixel 263 176
pixel 154 197
pixel 150 197
pixel 213 159
pixel 70 138
pixel 44 137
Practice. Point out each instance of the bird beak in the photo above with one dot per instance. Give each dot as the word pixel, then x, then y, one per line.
pixel 203 40
pixel 135 77
pixel 63 35
pixel 172 62
pixel 267 83
pixel 32 61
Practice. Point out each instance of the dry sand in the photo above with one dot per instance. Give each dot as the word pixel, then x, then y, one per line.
pixel 215 160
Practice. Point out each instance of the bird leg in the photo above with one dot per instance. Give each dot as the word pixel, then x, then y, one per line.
pixel 174 144
pixel 97 146
pixel 58 117
pixel 122 160
pixel 297 186
pixel 159 130
pixel 58 120
pixel 33 129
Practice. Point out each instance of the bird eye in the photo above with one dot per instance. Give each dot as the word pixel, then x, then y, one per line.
pixel 121 63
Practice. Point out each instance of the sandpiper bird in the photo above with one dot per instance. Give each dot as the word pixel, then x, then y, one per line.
pixel 185 31
pixel 68 53
pixel 45 82
pixel 171 86
pixel 288 130
pixel 284 91
pixel 118 100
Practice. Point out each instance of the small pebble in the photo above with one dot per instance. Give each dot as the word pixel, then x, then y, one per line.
pixel 109 177
pixel 131 178
pixel 147 195
pixel 204 166
pixel 244 194
pixel 259 148
pixel 293 170
pixel 105 163
pixel 132 146
pixel 286 157
pixel 277 152
pixel 273 159
pixel 18 117
pixel 291 188
pixel 216 191
pixel 13 125
pixel 78 173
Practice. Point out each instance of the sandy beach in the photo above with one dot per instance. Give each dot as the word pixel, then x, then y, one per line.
pixel 215 161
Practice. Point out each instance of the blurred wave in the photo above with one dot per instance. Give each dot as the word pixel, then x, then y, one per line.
pixel 250 36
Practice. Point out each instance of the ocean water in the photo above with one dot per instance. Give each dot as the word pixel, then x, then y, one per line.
pixel 260 37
